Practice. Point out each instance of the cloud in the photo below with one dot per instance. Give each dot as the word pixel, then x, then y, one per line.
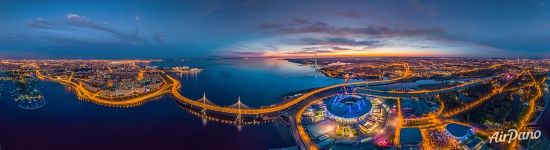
pixel 74 16
pixel 337 41
pixel 73 29
pixel 310 51
pixel 238 53
pixel 136 17
pixel 300 46
pixel 297 26
pixel 247 53
pixel 84 22
pixel 41 23
pixel 322 49
pixel 336 48
pixel 353 14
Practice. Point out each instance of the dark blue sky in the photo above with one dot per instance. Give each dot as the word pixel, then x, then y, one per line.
pixel 168 29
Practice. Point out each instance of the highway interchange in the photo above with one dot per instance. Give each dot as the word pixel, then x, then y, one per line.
pixel 172 86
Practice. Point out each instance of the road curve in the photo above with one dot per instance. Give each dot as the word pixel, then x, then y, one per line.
pixel 266 110
pixel 173 85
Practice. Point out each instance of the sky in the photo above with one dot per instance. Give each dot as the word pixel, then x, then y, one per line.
pixel 274 28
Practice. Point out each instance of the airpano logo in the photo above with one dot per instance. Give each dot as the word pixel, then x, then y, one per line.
pixel 512 134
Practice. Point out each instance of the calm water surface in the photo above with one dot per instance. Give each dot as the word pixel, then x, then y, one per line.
pixel 65 122
pixel 258 82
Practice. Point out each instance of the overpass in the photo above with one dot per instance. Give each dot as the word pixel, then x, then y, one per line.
pixel 128 101
pixel 277 108
pixel 172 86
pixel 436 118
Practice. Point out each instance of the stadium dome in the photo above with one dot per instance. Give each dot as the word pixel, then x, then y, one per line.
pixel 348 106
pixel 458 130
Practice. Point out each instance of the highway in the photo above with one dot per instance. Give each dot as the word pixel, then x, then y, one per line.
pixel 431 119
pixel 304 136
pixel 425 90
pixel 529 114
pixel 482 99
pixel 430 122
pixel 84 93
pixel 276 108
pixel 172 86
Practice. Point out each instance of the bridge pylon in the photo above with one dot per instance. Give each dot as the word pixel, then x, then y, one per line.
pixel 203 103
pixel 239 112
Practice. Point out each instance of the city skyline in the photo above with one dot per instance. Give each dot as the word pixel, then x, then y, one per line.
pixel 298 103
pixel 168 29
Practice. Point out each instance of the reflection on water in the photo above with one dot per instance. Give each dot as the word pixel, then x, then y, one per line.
pixel 259 82
pixel 69 123
pixel 206 117
pixel 30 103
pixel 27 95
